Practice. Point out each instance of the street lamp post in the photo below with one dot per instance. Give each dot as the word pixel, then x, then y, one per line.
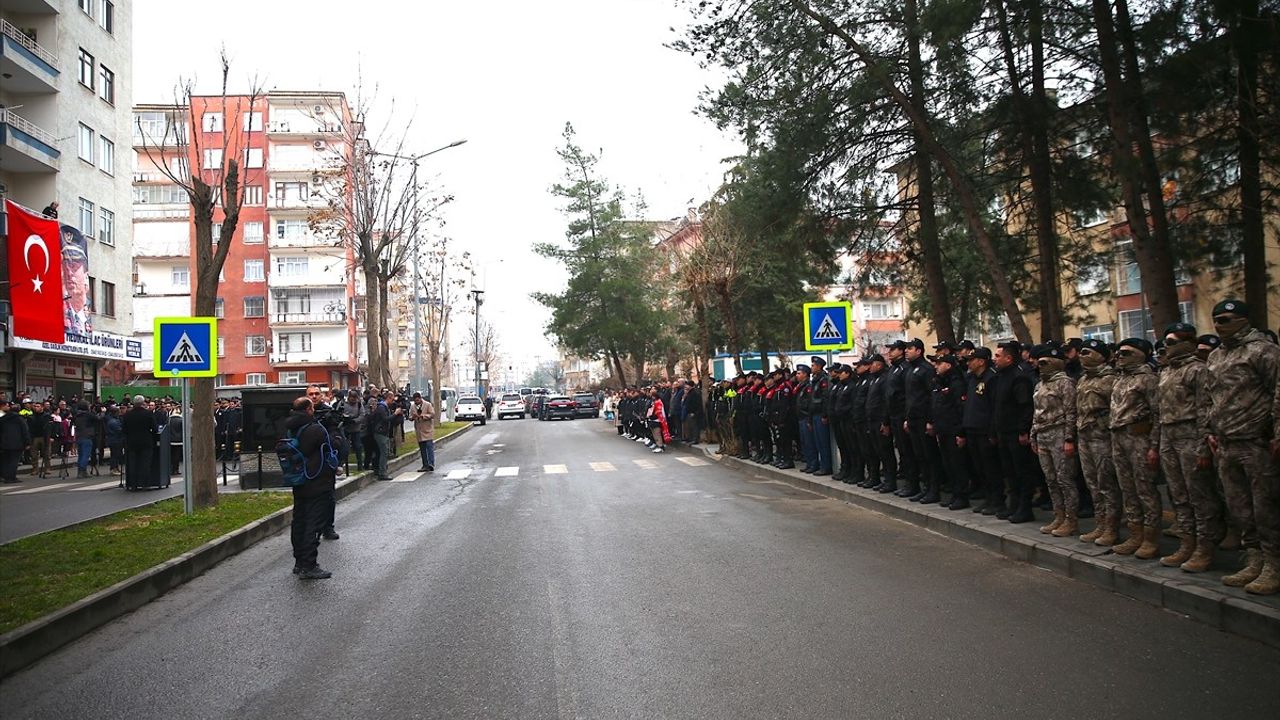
pixel 479 301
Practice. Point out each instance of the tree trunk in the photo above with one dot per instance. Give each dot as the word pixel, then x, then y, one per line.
pixel 704 338
pixel 1151 253
pixel 618 367
pixel 930 252
pixel 731 326
pixel 373 320
pixel 385 336
pixel 1247 39
pixel 203 473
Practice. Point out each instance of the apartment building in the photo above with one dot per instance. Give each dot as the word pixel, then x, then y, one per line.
pixel 64 110
pixel 287 295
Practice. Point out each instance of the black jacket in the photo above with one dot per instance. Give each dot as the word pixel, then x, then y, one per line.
pixel 841 397
pixel 14 433
pixel 85 424
pixel 918 384
pixel 979 399
pixel 821 384
pixel 1012 407
pixel 310 444
pixel 877 398
pixel 693 401
pixel 861 385
pixel 948 402
pixel 895 392
pixel 139 427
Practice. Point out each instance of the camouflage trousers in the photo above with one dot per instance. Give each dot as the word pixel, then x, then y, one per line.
pixel 1195 500
pixel 1137 480
pixel 728 441
pixel 1251 483
pixel 1094 448
pixel 1059 470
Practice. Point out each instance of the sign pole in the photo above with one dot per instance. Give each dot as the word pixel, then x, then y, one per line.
pixel 188 498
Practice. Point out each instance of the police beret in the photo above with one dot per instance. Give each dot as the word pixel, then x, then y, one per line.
pixel 1074 343
pixel 1213 341
pixel 1139 344
pixel 945 345
pixel 815 360
pixel 982 353
pixel 875 357
pixel 897 345
pixel 1180 328
pixel 948 359
pixel 802 368
pixel 1231 306
pixel 965 345
pixel 916 343
pixel 1097 346
pixel 1046 350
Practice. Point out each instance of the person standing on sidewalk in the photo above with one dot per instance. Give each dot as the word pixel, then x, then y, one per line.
pixel 1135 446
pixel 1053 437
pixel 310 499
pixel 423 415
pixel 1093 441
pixel 85 426
pixel 15 438
pixel 380 422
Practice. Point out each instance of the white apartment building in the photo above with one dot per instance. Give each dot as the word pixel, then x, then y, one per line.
pixel 65 116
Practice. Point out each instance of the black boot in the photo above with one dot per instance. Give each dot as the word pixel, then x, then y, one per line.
pixel 909 489
pixel 933 495
pixel 1023 513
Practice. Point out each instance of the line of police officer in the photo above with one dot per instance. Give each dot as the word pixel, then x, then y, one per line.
pixel 1081 422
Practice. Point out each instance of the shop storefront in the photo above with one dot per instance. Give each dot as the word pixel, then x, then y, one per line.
pixel 42 369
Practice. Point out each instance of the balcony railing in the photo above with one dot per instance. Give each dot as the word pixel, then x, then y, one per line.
pixel 160 213
pixel 20 123
pixel 13 33
pixel 311 318
pixel 304 240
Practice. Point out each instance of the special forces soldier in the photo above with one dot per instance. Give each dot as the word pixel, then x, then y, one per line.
pixel 1135 446
pixel 1243 388
pixel 1093 441
pixel 1184 451
pixel 1053 437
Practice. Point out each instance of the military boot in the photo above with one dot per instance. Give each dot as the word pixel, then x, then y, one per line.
pixel 1268 583
pixel 1230 541
pixel 1186 548
pixel 910 489
pixel 1133 543
pixel 1202 558
pixel 1058 516
pixel 1247 574
pixel 1096 532
pixel 1150 546
pixel 1070 525
pixel 1110 531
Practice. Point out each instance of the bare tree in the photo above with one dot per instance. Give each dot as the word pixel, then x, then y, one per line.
pixel 490 355
pixel 440 284
pixel 202 156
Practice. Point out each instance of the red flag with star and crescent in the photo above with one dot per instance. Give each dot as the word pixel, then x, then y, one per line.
pixel 35 275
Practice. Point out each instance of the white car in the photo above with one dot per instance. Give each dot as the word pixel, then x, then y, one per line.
pixel 469 408
pixel 510 404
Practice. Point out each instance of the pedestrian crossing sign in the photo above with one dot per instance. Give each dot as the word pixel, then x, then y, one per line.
pixel 185 347
pixel 828 326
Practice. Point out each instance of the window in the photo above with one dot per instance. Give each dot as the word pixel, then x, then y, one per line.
pixel 293 377
pixel 219 308
pixel 106 156
pixel 1182 274
pixel 1128 276
pixel 212 159
pixel 1226 251
pixel 295 301
pixel 255 345
pixel 219 381
pixel 881 310
pixel 180 276
pixel 1092 278
pixel 252 194
pixel 255 379
pixel 86 143
pixel 222 346
pixel 216 231
pixel 1136 324
pixel 253 157
pixel 292 192
pixel 294 342
pixel 255 306
pixel 86 69
pixel 291 229
pixel 1088 218
pixel 1222 168
pixel 159 194
pixel 211 122
pixel 1105 333
pixel 87 6
pixel 292 266
pixel 108 306
pixel 93 293
pixel 253 271
pixel 1186 312
pixel 253 121
pixel 252 233
pixel 106 227
pixel 86 217
pixel 107 19
pixel 107 86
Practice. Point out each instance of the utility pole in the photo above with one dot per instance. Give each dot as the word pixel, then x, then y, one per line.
pixel 479 300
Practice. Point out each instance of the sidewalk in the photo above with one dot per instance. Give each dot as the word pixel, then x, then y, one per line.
pixel 1200 596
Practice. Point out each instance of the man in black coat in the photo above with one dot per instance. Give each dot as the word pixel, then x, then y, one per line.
pixel 310 499
pixel 1011 420
pixel 140 434
pixel 976 432
pixel 945 427
pixel 15 438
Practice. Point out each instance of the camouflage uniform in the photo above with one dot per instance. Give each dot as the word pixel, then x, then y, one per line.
pixel 1134 417
pixel 1184 425
pixel 1054 422
pixel 1093 424
pixel 1242 388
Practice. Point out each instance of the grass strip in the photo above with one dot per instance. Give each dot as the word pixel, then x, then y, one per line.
pixel 46 572
pixel 410 444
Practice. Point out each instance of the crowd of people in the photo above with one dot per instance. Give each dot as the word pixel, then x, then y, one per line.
pixel 1082 429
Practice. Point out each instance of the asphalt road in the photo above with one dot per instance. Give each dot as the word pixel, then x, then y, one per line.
pixel 638 587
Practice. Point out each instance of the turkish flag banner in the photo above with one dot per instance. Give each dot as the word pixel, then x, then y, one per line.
pixel 35 275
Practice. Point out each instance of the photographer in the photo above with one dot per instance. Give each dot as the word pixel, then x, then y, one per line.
pixel 423 415
pixel 311 500
pixel 332 421
pixel 380 422
pixel 355 415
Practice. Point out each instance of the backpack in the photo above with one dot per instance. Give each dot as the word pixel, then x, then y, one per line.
pixel 293 464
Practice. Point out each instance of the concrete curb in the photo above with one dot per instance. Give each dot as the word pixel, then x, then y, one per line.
pixel 1201 597
pixel 24 645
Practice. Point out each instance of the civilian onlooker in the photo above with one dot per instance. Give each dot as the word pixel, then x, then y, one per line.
pixel 38 426
pixel 51 210
pixel 115 438
pixel 381 423
pixel 310 499
pixel 15 437
pixel 423 415
pixel 84 427
pixel 357 416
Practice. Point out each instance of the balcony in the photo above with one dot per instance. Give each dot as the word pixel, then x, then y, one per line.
pixel 26 147
pixel 305 240
pixel 161 212
pixel 309 358
pixel 303 127
pixel 338 318
pixel 28 68
pixel 314 202
pixel 312 279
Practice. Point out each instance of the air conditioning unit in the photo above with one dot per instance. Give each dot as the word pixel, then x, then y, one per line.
pixel 318 144
pixel 315 179
pixel 318 109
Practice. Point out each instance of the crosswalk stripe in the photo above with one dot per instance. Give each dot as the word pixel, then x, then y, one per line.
pixel 406 477
pixel 646 464
pixel 28 491
pixel 602 467
pixel 507 472
pixel 555 469
pixel 460 474
pixel 692 461
pixel 99 486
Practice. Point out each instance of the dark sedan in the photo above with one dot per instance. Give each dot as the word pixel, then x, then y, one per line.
pixel 587 405
pixel 559 406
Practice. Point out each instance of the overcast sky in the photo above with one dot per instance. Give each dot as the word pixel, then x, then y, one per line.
pixel 505 75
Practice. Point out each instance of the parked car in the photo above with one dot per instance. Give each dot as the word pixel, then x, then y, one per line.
pixel 469 407
pixel 510 404
pixel 588 406
pixel 559 406
pixel 536 403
